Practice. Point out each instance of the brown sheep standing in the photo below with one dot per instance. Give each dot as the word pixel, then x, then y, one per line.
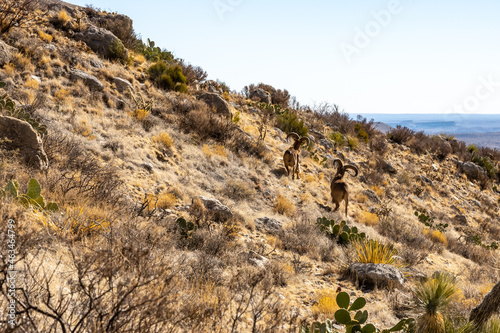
pixel 339 188
pixel 291 158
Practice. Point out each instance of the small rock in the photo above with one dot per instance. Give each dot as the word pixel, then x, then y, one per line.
pixel 257 260
pixel 148 166
pixel 476 203
pixel 460 219
pixel 217 102
pixel 260 94
pixel 388 168
pixel 5 54
pixel 377 274
pixel 22 137
pixel 426 180
pixel 96 63
pixel 122 84
pixel 220 211
pixel 372 196
pixel 90 80
pixel 326 143
pixel 268 224
pixel 36 78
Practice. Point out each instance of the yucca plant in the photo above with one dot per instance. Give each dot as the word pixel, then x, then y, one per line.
pixel 431 298
pixel 375 252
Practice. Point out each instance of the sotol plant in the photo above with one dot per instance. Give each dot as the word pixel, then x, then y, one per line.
pixel 32 197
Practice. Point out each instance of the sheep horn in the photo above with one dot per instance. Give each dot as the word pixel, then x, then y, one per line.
pixel 339 162
pixel 352 167
pixel 305 138
pixel 294 135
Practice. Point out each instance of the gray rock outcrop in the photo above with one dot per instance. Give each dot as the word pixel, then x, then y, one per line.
pixel 21 136
pixel 217 102
pixel 5 54
pixel 90 80
pixel 99 40
pixel 377 274
pixel 260 94
pixel 214 206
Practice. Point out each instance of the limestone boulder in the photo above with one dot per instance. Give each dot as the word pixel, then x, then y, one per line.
pixel 17 134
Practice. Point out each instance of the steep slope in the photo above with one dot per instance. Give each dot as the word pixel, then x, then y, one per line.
pixel 139 244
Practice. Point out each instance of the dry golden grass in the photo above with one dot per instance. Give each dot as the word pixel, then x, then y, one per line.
pixel 163 139
pixel 166 200
pixel 63 17
pixel 436 236
pixel 309 178
pixel 62 96
pixel 140 114
pixel 378 191
pixel 22 62
pixel 361 198
pixel 31 83
pixel 283 206
pixel 45 36
pixel 85 130
pixel 139 59
pixel 368 218
pixel 9 69
pixel 219 150
pixel 326 303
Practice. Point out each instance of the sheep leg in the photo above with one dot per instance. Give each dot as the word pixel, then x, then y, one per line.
pixel 346 203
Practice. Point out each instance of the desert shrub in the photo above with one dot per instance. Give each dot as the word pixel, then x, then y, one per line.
pixel 15 13
pixel 192 73
pixel 289 121
pixel 326 303
pixel 421 144
pixel 401 134
pixel 207 125
pixel 283 206
pixel 436 236
pixel 331 115
pixel 403 232
pixel 120 27
pixel 117 51
pixel 168 77
pixel 352 142
pixel 238 190
pixel 440 147
pixel 79 172
pixel 304 237
pixel 337 138
pixel 164 139
pixel 379 145
pixel 361 132
pixel 368 218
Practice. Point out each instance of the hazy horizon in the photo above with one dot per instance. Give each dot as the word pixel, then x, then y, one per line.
pixel 397 56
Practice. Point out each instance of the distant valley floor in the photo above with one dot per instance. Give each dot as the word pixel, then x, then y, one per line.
pixel 491 140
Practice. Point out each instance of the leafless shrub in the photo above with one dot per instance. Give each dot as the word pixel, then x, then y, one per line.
pixel 406 233
pixel 305 238
pixel 401 134
pixel 79 171
pixel 192 73
pixel 15 13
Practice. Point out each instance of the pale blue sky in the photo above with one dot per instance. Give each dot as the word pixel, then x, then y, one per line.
pixel 420 57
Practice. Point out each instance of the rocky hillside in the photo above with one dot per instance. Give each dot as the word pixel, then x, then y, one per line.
pixel 146 198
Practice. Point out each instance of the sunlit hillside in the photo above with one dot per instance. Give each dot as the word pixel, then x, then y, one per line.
pixel 142 197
